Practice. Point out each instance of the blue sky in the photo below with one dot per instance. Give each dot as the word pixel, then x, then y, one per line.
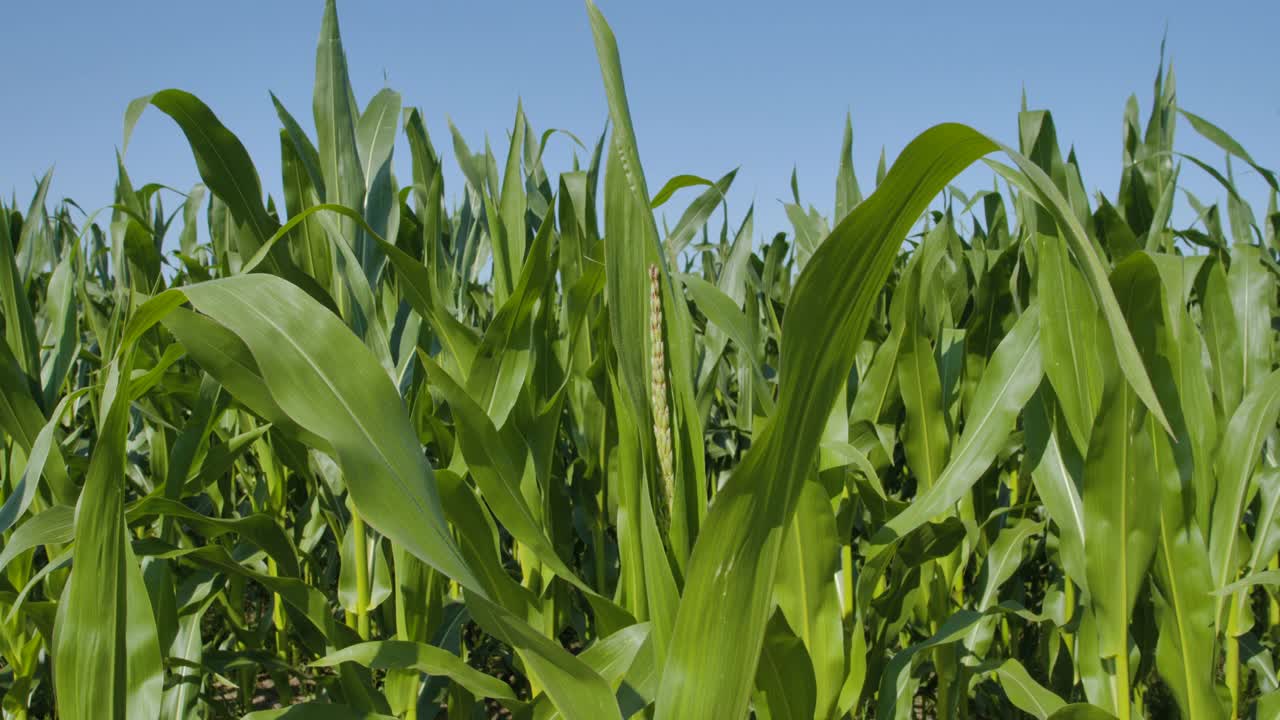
pixel 713 85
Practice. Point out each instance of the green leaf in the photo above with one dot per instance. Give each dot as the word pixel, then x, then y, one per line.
pixel 1222 335
pixel 848 195
pixel 41 451
pixel 336 116
pixel 19 327
pixel 1040 187
pixel 182 697
pixel 326 381
pixel 1118 484
pixel 323 379
pixel 679 182
pixel 1266 577
pixel 806 593
pixel 785 677
pixel 1057 472
pixel 720 626
pixel 926 440
pixel 1184 608
pixel 632 245
pixel 1238 454
pixel 223 163
pixel 1252 291
pixel 1082 711
pixel 403 655
pixel 316 711
pixel 507 230
pixel 1008 383
pixel 577 691
pixel 1219 137
pixel 1028 695
pixel 1070 332
pixel 258 529
pixel 616 659
pixel 721 311
pixel 697 214
pixel 22 420
pixel 497 461
pixel 53 526
pixel 1001 563
pixel 894 680
pixel 106 650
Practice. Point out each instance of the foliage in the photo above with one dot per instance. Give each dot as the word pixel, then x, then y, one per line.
pixel 368 454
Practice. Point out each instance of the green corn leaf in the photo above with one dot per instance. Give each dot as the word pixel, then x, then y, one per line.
pixel 848 195
pixel 675 184
pixel 1237 455
pixel 223 162
pixel 1081 711
pixel 19 327
pixel 696 215
pixel 868 443
pixel 336 117
pixel 926 440
pixel 806 593
pixel 577 691
pixel 1219 137
pixel 53 526
pixel 316 711
pixel 1028 695
pixel 1057 473
pixel 1069 333
pixel 1040 187
pixel 631 247
pixel 785 677
pixel 737 551
pixel 1118 485
pixel 401 655
pixel 1011 377
pixel 324 380
pixel 106 649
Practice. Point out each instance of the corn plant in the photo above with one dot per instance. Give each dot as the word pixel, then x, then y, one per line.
pixel 371 449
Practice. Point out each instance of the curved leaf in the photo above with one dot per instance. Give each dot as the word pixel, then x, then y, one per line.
pixel 404 655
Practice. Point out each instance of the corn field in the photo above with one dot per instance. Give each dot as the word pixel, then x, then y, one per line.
pixel 375 449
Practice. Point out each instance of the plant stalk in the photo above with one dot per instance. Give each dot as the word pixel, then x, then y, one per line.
pixel 1121 682
pixel 362 571
pixel 1232 668
pixel 1274 614
pixel 1069 638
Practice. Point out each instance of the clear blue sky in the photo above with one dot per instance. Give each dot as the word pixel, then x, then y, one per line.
pixel 713 85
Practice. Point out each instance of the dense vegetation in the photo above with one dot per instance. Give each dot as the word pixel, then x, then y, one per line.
pixel 367 452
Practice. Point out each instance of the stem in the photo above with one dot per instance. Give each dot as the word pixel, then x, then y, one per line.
pixel 597 540
pixel 602 518
pixel 1275 603
pixel 1121 681
pixel 248 687
pixel 934 578
pixel 1068 638
pixel 1233 658
pixel 946 671
pixel 846 574
pixel 277 614
pixel 362 572
pixel 459 702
